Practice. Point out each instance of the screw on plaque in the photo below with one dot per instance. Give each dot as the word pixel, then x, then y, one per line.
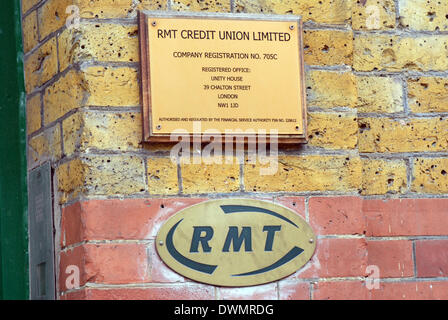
pixel 159 127
pixel 311 240
pixel 291 27
pixel 297 127
pixel 160 243
pixel 153 23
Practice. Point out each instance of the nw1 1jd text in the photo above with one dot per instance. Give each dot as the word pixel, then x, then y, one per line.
pixel 224 309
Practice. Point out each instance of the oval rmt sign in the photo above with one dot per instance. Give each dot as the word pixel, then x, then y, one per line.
pixel 235 242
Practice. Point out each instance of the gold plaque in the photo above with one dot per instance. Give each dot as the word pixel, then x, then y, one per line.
pixel 235 242
pixel 220 73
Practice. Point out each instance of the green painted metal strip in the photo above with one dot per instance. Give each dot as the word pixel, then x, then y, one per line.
pixel 13 167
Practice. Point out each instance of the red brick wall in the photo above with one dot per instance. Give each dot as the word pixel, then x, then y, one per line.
pixel 112 243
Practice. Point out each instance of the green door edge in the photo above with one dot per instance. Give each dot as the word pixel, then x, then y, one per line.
pixel 14 270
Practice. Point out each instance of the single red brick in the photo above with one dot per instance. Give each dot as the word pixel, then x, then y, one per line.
pixel 341 290
pixel 74 295
pixel 261 292
pixel 175 292
pixel 393 258
pixel 116 263
pixel 71 225
pixel 131 219
pixel 69 259
pixel 294 290
pixel 296 204
pixel 401 217
pixel 159 271
pixel 412 290
pixel 431 258
pixel 337 258
pixel 336 215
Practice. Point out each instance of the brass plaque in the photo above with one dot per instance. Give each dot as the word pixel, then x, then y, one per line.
pixel 222 73
pixel 235 242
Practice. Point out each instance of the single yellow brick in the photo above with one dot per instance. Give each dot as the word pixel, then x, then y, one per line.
pixel 67 46
pixel 72 130
pixel 112 131
pixel 33 116
pixel 428 94
pixel 114 175
pixel 70 180
pixel 52 16
pixel 383 176
pixel 64 95
pixel 30 36
pixel 423 15
pixel 413 135
pixel 373 15
pixel 106 42
pixel 324 11
pixel 110 86
pixel 162 176
pixel 221 176
pixel 332 130
pixel 328 47
pixel 306 173
pixel 201 5
pixel 152 5
pixel 430 175
pixel 379 94
pixel 28 4
pixel 45 146
pixel 41 65
pixel 104 9
pixel 392 53
pixel 327 89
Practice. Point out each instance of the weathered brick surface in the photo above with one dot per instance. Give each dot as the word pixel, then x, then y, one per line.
pixel 33 113
pixel 262 292
pixel 423 15
pixel 373 15
pixel 294 290
pixel 41 65
pixel 431 258
pixel 45 146
pixel 305 173
pixel 336 215
pixel 393 258
pixel 325 11
pixel 52 16
pixel 131 219
pixel 177 292
pixel 387 135
pixel 328 47
pixel 404 217
pixel 64 95
pixel 383 176
pixel 428 94
pixel 192 5
pixel 213 177
pixel 340 290
pixel 341 93
pixel 379 94
pixel 349 258
pixel 162 176
pixel 392 53
pixel 30 36
pixel 333 130
pixel 430 175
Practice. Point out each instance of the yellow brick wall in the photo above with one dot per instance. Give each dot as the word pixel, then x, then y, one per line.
pixel 377 99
